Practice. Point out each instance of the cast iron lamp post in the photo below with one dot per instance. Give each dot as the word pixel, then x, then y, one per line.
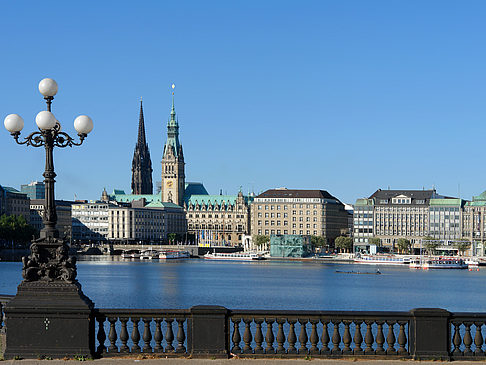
pixel 49 259
pixel 50 315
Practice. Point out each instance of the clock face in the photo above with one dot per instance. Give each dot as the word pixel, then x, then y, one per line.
pixel 168 184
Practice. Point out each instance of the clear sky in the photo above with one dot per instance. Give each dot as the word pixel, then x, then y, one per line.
pixel 345 96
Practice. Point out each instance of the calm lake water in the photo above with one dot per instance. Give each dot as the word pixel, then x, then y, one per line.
pixel 268 285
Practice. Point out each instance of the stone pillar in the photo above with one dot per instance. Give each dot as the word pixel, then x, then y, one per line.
pixel 49 319
pixel 430 334
pixel 208 334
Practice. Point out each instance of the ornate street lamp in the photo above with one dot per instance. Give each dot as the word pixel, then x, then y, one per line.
pixel 50 315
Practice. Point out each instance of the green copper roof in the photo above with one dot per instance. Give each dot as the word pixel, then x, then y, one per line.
pixel 120 196
pixel 159 204
pixel 364 202
pixel 481 197
pixel 210 199
pixel 447 202
pixel 195 188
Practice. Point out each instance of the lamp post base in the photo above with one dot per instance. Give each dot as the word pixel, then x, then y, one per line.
pixel 49 319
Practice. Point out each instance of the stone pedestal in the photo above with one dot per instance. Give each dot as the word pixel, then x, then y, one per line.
pixel 49 319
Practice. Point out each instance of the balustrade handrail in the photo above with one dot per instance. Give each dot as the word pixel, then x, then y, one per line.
pixel 317 313
pixel 144 312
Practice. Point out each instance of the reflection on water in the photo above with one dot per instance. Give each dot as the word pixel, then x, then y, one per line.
pixel 114 283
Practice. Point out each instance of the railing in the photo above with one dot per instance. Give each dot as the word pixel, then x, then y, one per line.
pixel 4 299
pixel 210 331
pixel 160 330
pixel 468 333
pixel 319 333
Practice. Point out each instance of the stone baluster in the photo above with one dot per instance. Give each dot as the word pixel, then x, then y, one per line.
pixel 101 334
pixel 390 338
pixel 124 335
pixel 147 335
pixel 236 336
pixel 158 337
pixel 478 339
pixel 358 338
pixel 112 335
pixel 314 337
pixel 456 340
pixel 303 337
pixel 247 337
pixel 347 339
pixel 280 336
pixel 269 337
pixel 369 339
pixel 380 339
pixel 336 338
pixel 402 339
pixel 292 338
pixel 181 336
pixel 169 335
pixel 325 338
pixel 135 336
pixel 258 336
pixel 468 339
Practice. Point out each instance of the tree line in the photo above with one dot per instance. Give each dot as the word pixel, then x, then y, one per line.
pixel 15 230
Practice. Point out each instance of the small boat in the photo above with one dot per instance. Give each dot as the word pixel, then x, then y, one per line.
pixel 171 255
pixel 382 260
pixel 149 255
pixel 438 263
pixel 130 254
pixel 377 272
pixel 235 256
pixel 472 263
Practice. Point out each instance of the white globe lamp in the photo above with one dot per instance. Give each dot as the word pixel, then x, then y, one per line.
pixel 48 87
pixel 45 120
pixel 83 124
pixel 13 123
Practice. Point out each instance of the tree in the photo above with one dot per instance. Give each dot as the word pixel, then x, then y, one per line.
pixel 462 246
pixel 261 241
pixel 375 241
pixel 14 228
pixel 318 241
pixel 344 243
pixel 430 247
pixel 404 245
pixel 171 237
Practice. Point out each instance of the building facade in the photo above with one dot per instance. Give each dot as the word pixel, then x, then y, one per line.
pixel 13 202
pixel 90 221
pixel 147 225
pixel 63 210
pixel 34 190
pixel 173 175
pixel 298 212
pixel 474 222
pixel 216 220
pixel 141 164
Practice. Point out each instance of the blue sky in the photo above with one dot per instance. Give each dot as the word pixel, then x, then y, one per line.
pixel 346 96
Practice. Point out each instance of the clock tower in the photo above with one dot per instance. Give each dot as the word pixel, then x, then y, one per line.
pixel 173 176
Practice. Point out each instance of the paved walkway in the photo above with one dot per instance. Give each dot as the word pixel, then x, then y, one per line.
pixel 135 361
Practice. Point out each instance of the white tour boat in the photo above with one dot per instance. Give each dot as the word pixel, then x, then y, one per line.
pixel 172 255
pixel 382 260
pixel 149 255
pixel 130 254
pixel 236 256
pixel 438 263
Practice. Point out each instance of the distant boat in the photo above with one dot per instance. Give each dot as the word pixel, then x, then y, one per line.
pixel 382 260
pixel 377 272
pixel 235 256
pixel 149 255
pixel 438 263
pixel 172 255
pixel 130 254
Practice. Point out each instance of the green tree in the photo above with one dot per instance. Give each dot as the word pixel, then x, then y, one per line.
pixel 260 240
pixel 14 228
pixel 344 243
pixel 318 241
pixel 171 237
pixel 404 245
pixel 375 241
pixel 462 246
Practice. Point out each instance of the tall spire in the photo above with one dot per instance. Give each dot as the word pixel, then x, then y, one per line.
pixel 141 164
pixel 141 127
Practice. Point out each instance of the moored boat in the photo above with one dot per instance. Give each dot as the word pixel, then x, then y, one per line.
pixel 236 256
pixel 173 255
pixel 382 260
pixel 149 255
pixel 130 254
pixel 438 263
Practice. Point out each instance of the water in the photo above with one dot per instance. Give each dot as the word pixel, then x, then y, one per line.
pixel 269 285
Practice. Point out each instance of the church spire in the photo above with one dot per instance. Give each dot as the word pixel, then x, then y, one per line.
pixel 141 164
